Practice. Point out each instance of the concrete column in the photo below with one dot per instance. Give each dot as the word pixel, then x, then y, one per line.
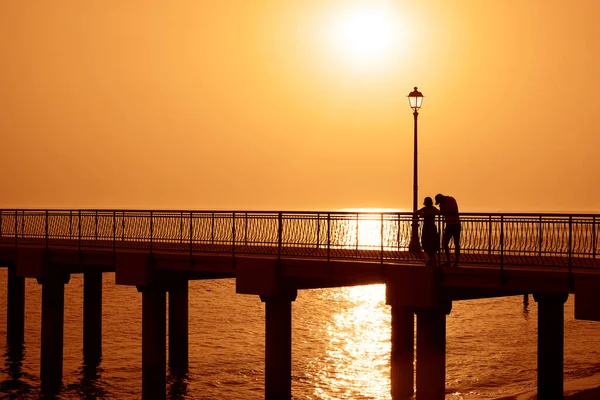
pixel 178 327
pixel 551 315
pixel 92 317
pixel 403 352
pixel 53 301
pixel 431 353
pixel 278 346
pixel 15 323
pixel 154 359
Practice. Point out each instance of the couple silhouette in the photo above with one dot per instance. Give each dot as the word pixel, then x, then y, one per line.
pixel 430 238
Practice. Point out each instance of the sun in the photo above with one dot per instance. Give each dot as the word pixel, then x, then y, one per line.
pixel 368 35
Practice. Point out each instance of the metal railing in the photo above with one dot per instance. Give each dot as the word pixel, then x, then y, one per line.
pixel 562 240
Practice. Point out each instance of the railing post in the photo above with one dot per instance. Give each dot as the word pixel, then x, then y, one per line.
pixel 16 228
pixel 246 229
pixel 356 231
pixel 398 232
pixel 1 212
pixel 79 232
pixel 212 229
pixel 570 242
pixel 594 236
pixel 181 227
pixel 541 237
pixel 191 234
pixel 96 225
pixel 502 244
pixel 318 230
pixel 279 235
pixel 328 236
pixel 70 224
pixel 233 238
pixel 123 226
pixel 46 229
pixel 490 234
pixel 151 229
pixel 381 238
pixel 114 234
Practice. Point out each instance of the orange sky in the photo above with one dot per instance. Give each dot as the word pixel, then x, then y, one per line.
pixel 249 105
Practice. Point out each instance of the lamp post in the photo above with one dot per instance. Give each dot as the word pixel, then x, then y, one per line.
pixel 415 99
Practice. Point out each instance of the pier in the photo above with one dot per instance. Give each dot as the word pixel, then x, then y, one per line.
pixel 273 255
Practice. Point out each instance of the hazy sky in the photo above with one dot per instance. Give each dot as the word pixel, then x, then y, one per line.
pixel 299 104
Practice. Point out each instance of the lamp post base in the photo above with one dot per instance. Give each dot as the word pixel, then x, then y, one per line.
pixel 415 246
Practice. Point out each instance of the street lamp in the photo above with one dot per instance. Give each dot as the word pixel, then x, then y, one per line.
pixel 415 98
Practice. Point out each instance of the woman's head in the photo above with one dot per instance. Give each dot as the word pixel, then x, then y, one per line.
pixel 428 202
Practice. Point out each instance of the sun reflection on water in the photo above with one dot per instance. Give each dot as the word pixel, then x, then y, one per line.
pixel 357 355
pixel 371 229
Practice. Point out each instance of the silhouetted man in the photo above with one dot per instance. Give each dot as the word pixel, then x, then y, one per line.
pixel 449 209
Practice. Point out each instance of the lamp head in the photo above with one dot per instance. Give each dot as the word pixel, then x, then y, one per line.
pixel 415 98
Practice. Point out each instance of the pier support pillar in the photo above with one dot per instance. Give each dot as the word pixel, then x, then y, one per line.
pixel 278 346
pixel 551 315
pixel 178 327
pixel 403 349
pixel 15 323
pixel 154 359
pixel 53 301
pixel 431 352
pixel 92 317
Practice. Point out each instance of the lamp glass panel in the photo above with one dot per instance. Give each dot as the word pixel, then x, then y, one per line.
pixel 415 102
pixel 419 101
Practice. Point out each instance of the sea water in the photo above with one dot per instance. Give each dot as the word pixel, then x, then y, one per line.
pixel 340 349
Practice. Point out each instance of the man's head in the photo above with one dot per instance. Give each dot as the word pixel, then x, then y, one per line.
pixel 439 198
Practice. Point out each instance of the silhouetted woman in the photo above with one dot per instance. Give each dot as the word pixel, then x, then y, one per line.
pixel 430 238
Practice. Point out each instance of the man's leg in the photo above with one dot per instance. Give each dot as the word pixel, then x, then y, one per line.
pixel 457 243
